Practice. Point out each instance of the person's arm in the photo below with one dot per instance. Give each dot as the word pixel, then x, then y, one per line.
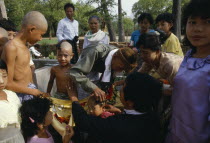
pixel 85 43
pixel 60 29
pixel 77 29
pixel 82 68
pixel 10 56
pixel 51 80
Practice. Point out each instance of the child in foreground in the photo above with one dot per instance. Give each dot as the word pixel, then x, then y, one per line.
pixel 36 117
pixel 190 122
pixel 59 72
pixel 9 117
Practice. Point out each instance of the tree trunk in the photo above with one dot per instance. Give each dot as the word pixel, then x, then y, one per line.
pixel 3 12
pixel 177 18
pixel 121 32
pixel 107 18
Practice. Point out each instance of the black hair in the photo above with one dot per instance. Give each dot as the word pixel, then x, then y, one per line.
pixel 7 24
pixel 152 40
pixel 67 5
pixel 3 65
pixel 194 8
pixel 147 16
pixel 143 90
pixel 96 17
pixel 36 109
pixel 168 17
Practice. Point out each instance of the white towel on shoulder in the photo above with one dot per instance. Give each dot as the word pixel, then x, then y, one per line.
pixel 107 73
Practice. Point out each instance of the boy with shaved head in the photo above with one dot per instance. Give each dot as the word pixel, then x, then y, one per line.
pixel 59 72
pixel 17 56
pixel 3 39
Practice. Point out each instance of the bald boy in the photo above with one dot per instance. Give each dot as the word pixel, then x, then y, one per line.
pixel 3 38
pixel 17 56
pixel 59 72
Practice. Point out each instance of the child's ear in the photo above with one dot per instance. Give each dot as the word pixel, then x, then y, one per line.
pixel 40 126
pixel 32 28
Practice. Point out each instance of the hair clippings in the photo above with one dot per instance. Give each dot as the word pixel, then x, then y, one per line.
pixel 32 120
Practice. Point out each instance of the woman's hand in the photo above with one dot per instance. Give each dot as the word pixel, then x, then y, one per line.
pixel 112 109
pixel 99 94
pixel 69 132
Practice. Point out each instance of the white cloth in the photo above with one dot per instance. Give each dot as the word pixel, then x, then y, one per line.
pixel 132 112
pixel 9 110
pixel 11 134
pixel 107 73
pixel 67 29
pixel 34 51
pixel 95 39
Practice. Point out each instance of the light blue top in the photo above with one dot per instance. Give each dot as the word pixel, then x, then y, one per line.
pixel 136 34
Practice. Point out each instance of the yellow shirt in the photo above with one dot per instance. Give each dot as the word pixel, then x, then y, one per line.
pixel 172 45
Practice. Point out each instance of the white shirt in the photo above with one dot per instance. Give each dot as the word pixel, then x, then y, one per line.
pixel 67 29
pixel 10 110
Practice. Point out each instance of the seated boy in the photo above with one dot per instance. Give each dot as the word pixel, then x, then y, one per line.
pixel 17 56
pixel 3 39
pixel 139 95
pixel 59 72
pixel 164 22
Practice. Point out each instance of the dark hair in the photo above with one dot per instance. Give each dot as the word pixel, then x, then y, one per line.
pixel 194 8
pixel 3 65
pixel 96 17
pixel 36 109
pixel 168 17
pixel 147 16
pixel 67 5
pixel 152 40
pixel 7 24
pixel 143 90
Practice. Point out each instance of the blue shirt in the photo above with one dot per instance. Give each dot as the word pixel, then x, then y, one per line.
pixel 135 36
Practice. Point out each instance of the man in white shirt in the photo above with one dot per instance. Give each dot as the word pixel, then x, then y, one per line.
pixel 68 29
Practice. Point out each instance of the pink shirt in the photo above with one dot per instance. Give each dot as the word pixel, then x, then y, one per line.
pixel 36 139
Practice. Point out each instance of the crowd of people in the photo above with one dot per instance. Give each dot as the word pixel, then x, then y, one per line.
pixel 164 97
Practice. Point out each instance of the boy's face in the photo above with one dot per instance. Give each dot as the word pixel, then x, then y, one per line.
pixel 3 78
pixel 148 55
pixel 64 56
pixel 69 12
pixel 97 110
pixel 198 32
pixel 94 25
pixel 164 26
pixel 11 35
pixel 36 35
pixel 144 25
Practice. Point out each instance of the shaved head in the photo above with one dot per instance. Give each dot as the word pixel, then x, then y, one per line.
pixel 66 45
pixel 3 33
pixel 35 18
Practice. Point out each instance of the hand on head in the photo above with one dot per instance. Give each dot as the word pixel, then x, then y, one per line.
pixel 99 94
